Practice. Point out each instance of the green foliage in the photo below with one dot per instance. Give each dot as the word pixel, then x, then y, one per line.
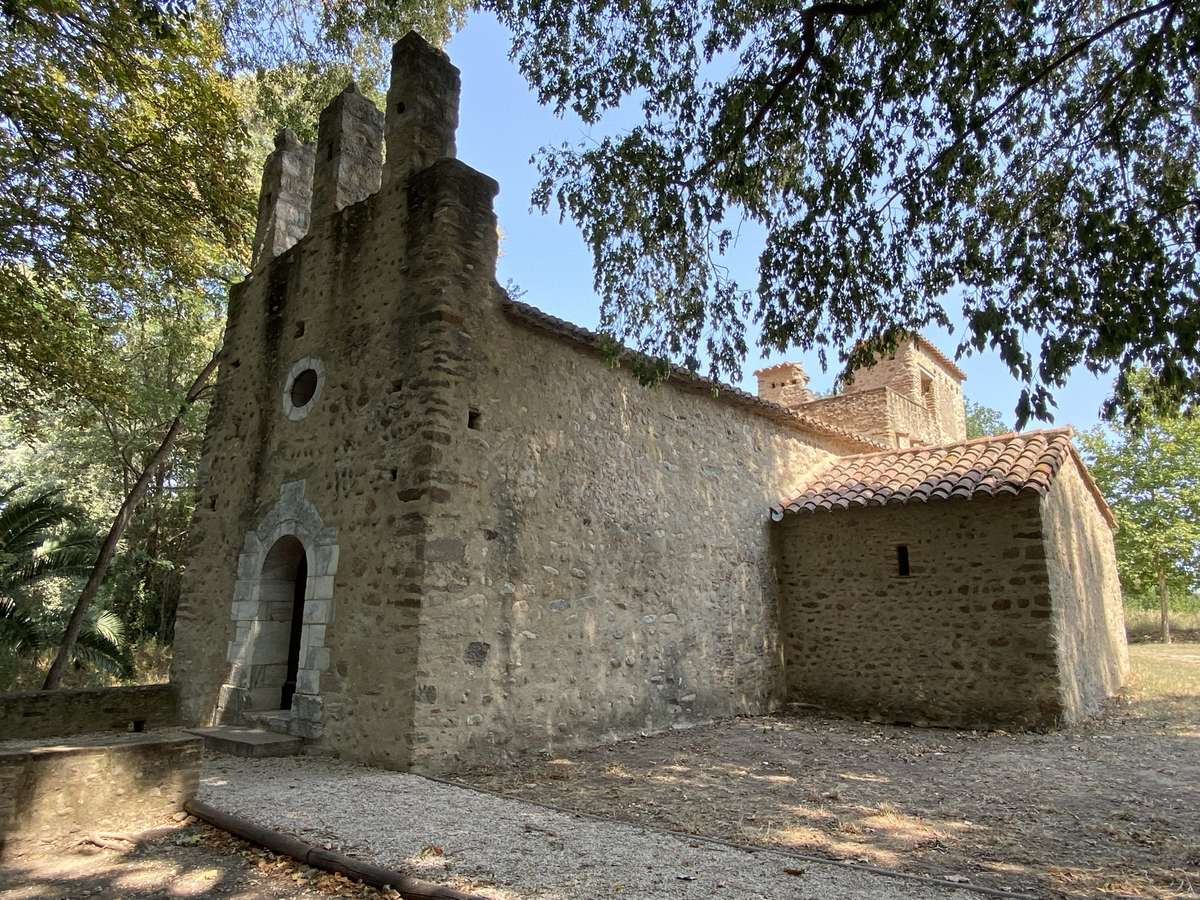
pixel 1150 475
pixel 983 420
pixel 130 140
pixel 123 169
pixel 42 542
pixel 1038 157
pixel 131 136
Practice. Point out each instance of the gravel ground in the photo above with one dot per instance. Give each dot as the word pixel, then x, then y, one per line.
pixel 508 849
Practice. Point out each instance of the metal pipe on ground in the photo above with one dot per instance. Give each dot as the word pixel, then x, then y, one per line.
pixel 376 876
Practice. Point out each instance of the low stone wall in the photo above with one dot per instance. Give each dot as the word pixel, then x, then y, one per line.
pixel 41 714
pixel 54 794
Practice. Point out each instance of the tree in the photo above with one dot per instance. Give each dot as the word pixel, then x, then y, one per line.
pixel 41 539
pixel 125 160
pixel 129 142
pixel 108 546
pixel 1036 159
pixel 122 160
pixel 1151 477
pixel 983 420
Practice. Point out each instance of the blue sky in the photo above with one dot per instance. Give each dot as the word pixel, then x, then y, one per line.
pixel 501 126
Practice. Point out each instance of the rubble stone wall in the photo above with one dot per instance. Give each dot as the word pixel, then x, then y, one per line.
pixel 1089 619
pixel 603 565
pixel 941 417
pixel 965 640
pixel 39 714
pixel 53 794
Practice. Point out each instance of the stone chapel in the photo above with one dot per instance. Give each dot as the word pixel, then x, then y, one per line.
pixel 437 528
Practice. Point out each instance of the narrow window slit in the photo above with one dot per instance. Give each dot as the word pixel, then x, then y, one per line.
pixel 902 560
pixel 474 419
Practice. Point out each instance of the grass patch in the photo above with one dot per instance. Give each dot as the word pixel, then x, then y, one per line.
pixel 1166 682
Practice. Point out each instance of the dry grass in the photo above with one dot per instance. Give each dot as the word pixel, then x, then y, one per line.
pixel 1166 681
pixel 1144 624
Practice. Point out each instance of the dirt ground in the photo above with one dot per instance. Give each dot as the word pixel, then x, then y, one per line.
pixel 1111 808
pixel 193 860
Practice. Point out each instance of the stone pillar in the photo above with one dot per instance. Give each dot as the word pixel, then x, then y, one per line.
pixel 349 153
pixel 285 198
pixel 422 107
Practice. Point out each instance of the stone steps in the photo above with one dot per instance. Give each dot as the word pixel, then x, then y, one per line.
pixel 237 740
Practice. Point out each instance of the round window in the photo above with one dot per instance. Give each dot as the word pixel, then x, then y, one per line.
pixel 304 386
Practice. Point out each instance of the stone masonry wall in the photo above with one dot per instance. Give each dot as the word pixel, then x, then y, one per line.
pixel 342 296
pixel 865 412
pixel 1089 621
pixel 361 302
pixel 945 421
pixel 51 795
pixel 964 641
pixel 40 714
pixel 603 565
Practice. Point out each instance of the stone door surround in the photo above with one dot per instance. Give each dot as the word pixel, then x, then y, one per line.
pixel 261 628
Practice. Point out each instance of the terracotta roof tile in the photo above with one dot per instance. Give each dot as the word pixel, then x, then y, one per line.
pixel 1001 464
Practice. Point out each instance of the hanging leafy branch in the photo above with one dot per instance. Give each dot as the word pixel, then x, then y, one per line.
pixel 1034 162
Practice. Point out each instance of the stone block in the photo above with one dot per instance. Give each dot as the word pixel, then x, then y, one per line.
pixel 284 198
pixel 308 681
pixel 317 612
pixel 422 107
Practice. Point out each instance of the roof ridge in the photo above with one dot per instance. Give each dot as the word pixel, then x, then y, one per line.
pixel 1056 431
pixel 1008 464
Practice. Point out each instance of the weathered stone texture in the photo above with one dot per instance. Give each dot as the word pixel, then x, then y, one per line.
pixel 422 108
pixel 39 714
pixel 349 154
pixel 511 545
pixel 785 384
pixel 605 541
pixel 863 411
pixel 1089 621
pixel 285 198
pixel 924 407
pixel 342 295
pixel 965 640
pixel 53 794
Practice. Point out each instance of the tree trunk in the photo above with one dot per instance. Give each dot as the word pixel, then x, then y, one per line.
pixel 124 514
pixel 1164 605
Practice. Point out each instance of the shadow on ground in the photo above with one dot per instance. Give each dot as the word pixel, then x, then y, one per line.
pixel 191 861
pixel 1111 807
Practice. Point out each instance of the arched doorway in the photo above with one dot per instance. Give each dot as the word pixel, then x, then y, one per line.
pixel 282 618
pixel 281 595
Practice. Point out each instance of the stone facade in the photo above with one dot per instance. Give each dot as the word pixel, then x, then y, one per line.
pixel 53 794
pixel 525 549
pixel 39 714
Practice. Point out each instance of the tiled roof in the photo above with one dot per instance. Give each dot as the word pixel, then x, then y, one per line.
pixel 533 317
pixel 1001 464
